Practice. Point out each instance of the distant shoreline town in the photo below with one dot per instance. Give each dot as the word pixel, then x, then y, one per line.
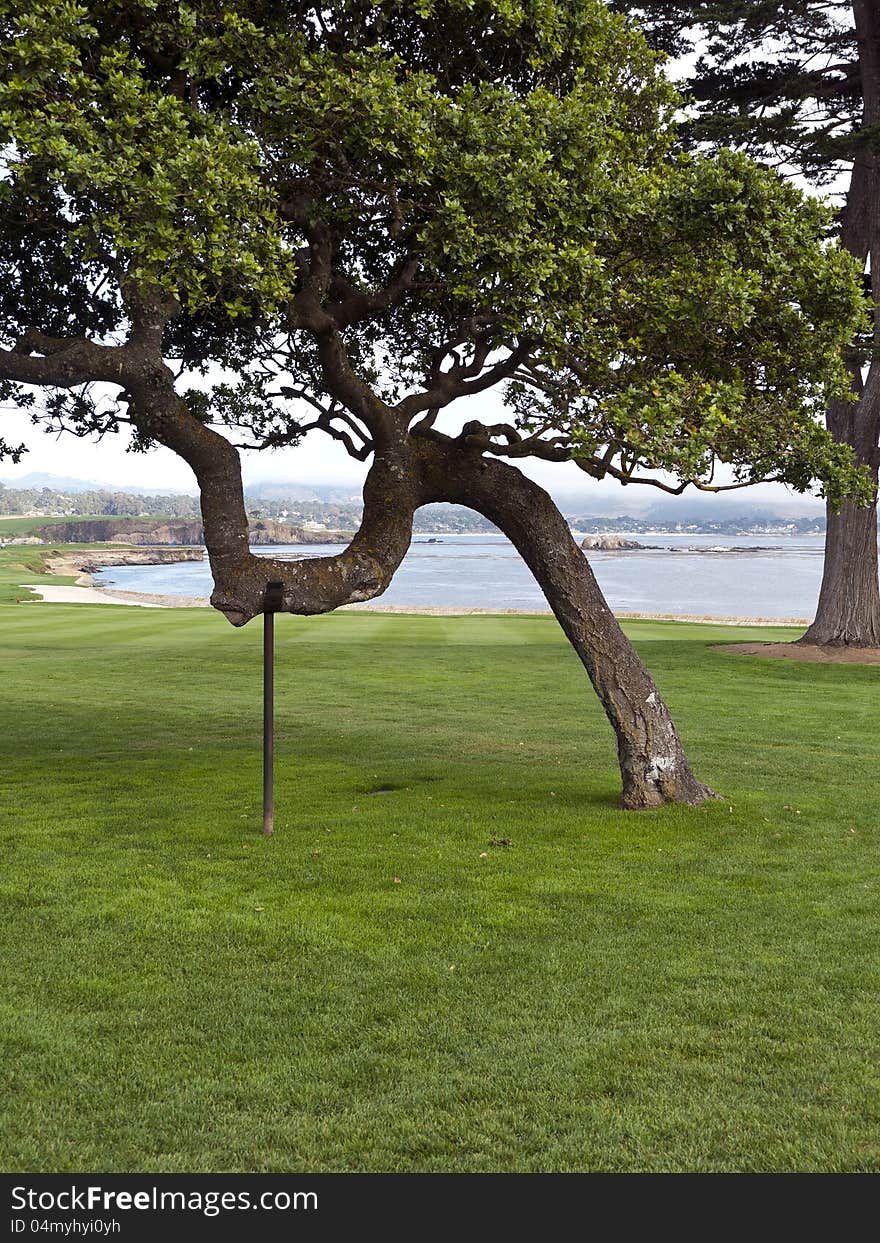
pixel 317 520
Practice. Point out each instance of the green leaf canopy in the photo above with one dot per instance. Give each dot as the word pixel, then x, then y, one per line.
pixel 463 192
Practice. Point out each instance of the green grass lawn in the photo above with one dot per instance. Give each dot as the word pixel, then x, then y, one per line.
pixel 10 527
pixel 30 526
pixel 379 987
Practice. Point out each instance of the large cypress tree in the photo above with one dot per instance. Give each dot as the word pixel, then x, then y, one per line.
pixel 796 83
pixel 258 221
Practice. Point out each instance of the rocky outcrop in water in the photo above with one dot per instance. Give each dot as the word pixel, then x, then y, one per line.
pixel 610 543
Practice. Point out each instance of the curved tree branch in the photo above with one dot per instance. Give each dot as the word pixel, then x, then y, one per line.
pixel 485 436
pixel 449 386
pixel 316 585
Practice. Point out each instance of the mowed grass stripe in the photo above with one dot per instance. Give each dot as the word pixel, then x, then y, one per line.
pixel 379 987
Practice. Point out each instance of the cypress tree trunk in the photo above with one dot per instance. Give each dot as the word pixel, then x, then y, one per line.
pixel 653 764
pixel 848 612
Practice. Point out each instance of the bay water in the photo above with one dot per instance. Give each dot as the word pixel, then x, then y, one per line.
pixel 773 576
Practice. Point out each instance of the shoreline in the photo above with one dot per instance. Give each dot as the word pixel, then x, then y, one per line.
pixel 83 562
pixel 691 618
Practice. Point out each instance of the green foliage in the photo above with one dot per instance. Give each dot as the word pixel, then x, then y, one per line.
pixel 776 78
pixel 783 82
pixel 513 156
pixel 183 191
pixel 721 336
pixel 153 187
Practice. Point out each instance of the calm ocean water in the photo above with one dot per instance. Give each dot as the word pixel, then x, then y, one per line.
pixel 773 576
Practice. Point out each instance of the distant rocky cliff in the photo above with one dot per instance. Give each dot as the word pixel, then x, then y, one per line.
pixel 267 531
pixel 175 534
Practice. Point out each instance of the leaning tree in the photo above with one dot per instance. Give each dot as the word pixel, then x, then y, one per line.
pixel 796 83
pixel 239 224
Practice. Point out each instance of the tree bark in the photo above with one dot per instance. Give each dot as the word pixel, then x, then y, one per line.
pixel 848 611
pixel 653 764
pixel 316 585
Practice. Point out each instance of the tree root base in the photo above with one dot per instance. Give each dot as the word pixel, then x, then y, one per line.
pixel 688 793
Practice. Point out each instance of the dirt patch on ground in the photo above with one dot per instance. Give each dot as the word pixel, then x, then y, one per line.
pixel 806 651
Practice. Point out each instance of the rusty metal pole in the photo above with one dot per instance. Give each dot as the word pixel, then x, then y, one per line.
pixel 272 604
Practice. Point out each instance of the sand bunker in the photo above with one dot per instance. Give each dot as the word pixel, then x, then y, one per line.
pixel 82 595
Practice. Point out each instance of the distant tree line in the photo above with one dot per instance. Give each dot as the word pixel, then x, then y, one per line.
pixel 743 524
pixel 443 519
pixel 438 519
pixel 99 503
pixel 430 519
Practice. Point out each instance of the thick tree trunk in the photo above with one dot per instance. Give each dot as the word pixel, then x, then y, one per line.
pixel 408 472
pixel 653 764
pixel 848 612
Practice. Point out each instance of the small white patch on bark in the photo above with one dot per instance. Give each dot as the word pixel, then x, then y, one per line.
pixel 652 698
pixel 658 766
